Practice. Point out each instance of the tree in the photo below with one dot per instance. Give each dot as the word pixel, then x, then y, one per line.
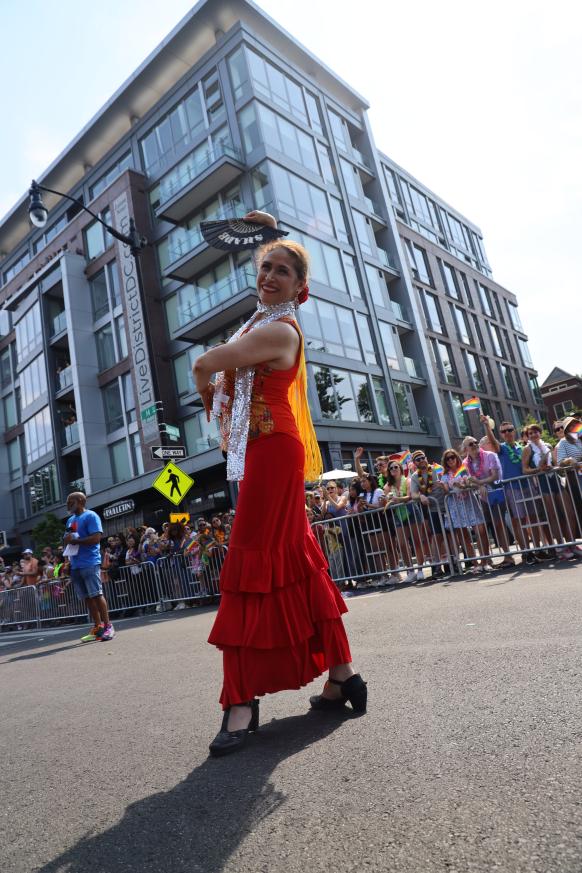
pixel 547 437
pixel 48 533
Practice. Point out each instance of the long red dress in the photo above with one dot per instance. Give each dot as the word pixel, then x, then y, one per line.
pixel 279 622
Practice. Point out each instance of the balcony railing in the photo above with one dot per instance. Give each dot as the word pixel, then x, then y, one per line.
pixel 386 258
pixel 196 302
pixel 59 323
pixel 359 157
pixel 182 242
pixel 188 170
pixel 64 378
pixel 77 485
pixel 413 369
pixel 399 310
pixel 427 424
pixel 71 434
pixel 372 206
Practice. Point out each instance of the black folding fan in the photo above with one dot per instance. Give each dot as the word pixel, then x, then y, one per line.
pixel 234 234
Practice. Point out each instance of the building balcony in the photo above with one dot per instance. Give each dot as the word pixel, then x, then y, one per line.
pixel 400 311
pixel 427 424
pixel 58 324
pixel 70 435
pixel 193 182
pixel 77 485
pixel 64 380
pixel 204 311
pixel 413 368
pixel 378 221
pixel 387 261
pixel 189 253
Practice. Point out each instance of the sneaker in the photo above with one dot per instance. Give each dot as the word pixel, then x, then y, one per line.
pixel 576 552
pixel 95 633
pixel 530 559
pixel 565 554
pixel 410 577
pixel 419 576
pixel 180 605
pixel 108 633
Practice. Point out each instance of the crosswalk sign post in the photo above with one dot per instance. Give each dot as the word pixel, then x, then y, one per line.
pixel 173 483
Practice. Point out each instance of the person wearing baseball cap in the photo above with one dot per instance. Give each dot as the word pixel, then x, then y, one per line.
pixel 426 487
pixel 29 568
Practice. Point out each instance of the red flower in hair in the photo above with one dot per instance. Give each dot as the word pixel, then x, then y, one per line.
pixel 303 295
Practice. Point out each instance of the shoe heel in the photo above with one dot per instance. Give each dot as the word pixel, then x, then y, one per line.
pixel 254 722
pixel 356 691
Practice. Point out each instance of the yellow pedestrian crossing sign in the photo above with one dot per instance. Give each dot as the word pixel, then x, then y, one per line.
pixel 173 483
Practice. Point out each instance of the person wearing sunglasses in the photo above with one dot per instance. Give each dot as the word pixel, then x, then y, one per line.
pixel 517 493
pixel 400 506
pixel 430 492
pixel 569 456
pixel 484 472
pixel 558 429
pixel 464 512
pixel 537 461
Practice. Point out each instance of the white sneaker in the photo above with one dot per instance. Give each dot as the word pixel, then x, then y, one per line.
pixel 577 551
pixel 181 605
pixel 419 576
pixel 411 577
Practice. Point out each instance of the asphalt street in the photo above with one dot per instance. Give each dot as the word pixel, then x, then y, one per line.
pixel 468 760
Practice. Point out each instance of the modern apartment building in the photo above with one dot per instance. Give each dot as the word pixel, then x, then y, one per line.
pixel 231 113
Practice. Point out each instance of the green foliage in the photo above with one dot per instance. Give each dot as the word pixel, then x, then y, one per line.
pixel 48 533
pixel 547 437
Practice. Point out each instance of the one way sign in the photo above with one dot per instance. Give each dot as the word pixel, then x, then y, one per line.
pixel 163 452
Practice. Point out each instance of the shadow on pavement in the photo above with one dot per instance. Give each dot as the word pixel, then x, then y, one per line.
pixel 34 655
pixel 197 825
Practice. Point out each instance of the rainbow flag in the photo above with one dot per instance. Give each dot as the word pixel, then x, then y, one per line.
pixel 439 470
pixel 403 458
pixel 471 403
pixel 462 471
pixel 577 428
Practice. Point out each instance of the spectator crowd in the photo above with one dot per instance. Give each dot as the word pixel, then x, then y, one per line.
pixel 490 499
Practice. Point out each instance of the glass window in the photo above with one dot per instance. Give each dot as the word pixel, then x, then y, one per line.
pixel 183 372
pixel 120 467
pixel 300 199
pixel 184 123
pixel 312 104
pixel 281 90
pixel 200 435
pixel 381 401
pixel 514 317
pixel 112 406
pixel 432 312
pixel 351 178
pixel 496 340
pixel 474 372
pixel 116 170
pixel 389 340
pixel 418 263
pixel 212 98
pixel 524 352
pixel 326 168
pixel 5 369
pixel 33 382
pixel 508 381
pixel 10 413
pixel 352 278
pixel 121 335
pixel 28 333
pixel 328 404
pixel 462 325
pixel 14 459
pixel 99 296
pixel 465 283
pixel 329 328
pixel 136 453
pixel 444 360
pixel 363 397
pixel 449 279
pixel 113 282
pixel 340 132
pixel 377 285
pixel 38 435
pixel 43 488
pixel 366 338
pixel 128 397
pixel 287 138
pixel 364 232
pixel 105 347
pixel 337 210
pixel 485 299
pixel 238 72
pixel 392 186
pixel 403 397
pixel 459 420
pixel 95 242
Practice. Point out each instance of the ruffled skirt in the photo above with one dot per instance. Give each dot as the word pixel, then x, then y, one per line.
pixel 279 622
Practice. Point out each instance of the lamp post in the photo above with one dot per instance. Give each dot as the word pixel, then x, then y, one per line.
pixel 135 242
pixel 38 214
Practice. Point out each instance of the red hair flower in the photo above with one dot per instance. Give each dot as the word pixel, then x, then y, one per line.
pixel 303 295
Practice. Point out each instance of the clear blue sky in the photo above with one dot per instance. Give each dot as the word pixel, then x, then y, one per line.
pixel 482 103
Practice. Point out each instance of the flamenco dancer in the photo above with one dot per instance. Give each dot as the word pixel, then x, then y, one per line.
pixel 279 622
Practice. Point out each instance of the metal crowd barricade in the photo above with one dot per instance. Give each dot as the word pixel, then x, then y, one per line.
pixel 190 577
pixel 134 586
pixel 19 607
pixel 521 516
pixel 374 547
pixel 57 601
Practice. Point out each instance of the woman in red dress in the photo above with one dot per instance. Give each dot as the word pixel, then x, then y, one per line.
pixel 279 622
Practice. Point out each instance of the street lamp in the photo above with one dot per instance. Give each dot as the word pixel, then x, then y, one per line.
pixel 38 214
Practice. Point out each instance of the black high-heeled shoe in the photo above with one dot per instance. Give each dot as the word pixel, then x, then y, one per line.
pixel 225 742
pixel 353 690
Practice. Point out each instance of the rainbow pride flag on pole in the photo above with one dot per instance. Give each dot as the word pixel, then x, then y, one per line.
pixel 403 458
pixel 577 429
pixel 438 468
pixel 462 471
pixel 471 403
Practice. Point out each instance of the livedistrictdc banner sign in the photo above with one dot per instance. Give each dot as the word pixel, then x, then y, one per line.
pixel 135 324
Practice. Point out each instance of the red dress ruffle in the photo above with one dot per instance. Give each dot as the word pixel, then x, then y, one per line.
pixel 279 622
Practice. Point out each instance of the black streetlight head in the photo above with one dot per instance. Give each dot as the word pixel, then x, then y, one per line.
pixel 37 210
